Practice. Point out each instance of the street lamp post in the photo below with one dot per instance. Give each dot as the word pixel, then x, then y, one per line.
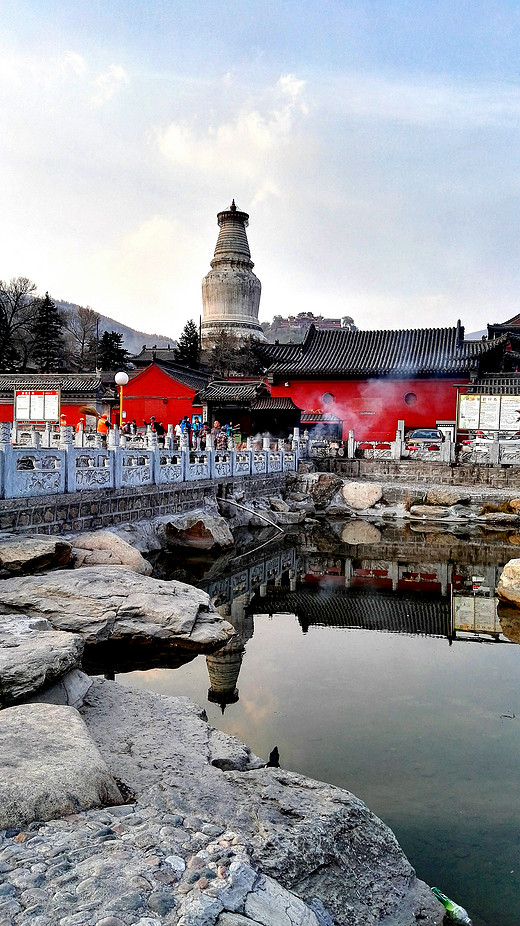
pixel 121 380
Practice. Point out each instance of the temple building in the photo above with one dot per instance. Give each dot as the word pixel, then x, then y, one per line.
pixel 231 291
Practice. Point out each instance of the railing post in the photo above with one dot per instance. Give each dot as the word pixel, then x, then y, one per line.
pixel 351 446
pixel 46 437
pixel 65 437
pixel 79 440
pixel 396 446
pixel 6 455
pixel 35 438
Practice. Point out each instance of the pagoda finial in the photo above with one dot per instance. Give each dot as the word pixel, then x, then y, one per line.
pixel 232 207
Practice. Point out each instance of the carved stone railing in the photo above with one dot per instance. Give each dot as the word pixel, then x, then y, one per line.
pixel 64 461
pixel 198 465
pixel 89 469
pixel 34 472
pixel 170 469
pixel 221 463
pixel 259 462
pixel 242 463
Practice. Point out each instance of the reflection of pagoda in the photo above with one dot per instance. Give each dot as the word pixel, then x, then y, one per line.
pixel 224 665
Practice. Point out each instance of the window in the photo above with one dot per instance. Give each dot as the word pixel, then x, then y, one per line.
pixel 327 398
pixel 410 398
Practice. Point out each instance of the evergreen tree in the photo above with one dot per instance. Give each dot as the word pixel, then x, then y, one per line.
pixel 108 353
pixel 187 351
pixel 222 357
pixel 46 335
pixel 231 356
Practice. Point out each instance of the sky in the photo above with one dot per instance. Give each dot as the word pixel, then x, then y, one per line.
pixel 375 145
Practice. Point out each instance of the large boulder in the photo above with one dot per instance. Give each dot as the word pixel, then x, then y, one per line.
pixel 320 487
pixel 49 765
pixel 21 554
pixel 509 618
pixel 202 529
pixel 508 588
pixel 112 603
pixel 33 656
pixel 141 535
pixel 361 495
pixel 315 840
pixel 105 548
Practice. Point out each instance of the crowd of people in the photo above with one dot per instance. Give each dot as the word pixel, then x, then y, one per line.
pixel 194 431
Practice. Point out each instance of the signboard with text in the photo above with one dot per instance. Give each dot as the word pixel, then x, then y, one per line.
pixel 489 412
pixel 37 405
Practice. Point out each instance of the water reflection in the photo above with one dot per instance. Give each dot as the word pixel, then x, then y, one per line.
pixel 358 575
pixel 353 654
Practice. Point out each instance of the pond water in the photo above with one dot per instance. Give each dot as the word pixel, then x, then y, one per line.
pixel 377 661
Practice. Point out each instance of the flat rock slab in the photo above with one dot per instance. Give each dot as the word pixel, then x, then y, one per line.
pixel 28 554
pixel 112 603
pixel 33 656
pixel 430 512
pixel 49 765
pixel 104 548
pixel 315 840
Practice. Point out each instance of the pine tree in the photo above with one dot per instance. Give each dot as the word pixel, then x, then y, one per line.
pixel 46 334
pixel 108 353
pixel 187 351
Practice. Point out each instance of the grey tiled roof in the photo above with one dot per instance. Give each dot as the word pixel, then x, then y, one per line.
pixel 275 403
pixel 341 352
pixel 67 382
pixel 219 391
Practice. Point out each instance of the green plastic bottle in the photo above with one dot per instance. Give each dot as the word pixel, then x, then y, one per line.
pixel 456 913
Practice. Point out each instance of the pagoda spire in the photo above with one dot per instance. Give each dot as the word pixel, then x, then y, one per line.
pixel 231 291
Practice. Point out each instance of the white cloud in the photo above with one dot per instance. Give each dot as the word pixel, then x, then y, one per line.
pixel 108 84
pixel 75 63
pixel 249 146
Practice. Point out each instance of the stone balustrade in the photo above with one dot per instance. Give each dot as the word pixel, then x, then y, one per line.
pixel 52 463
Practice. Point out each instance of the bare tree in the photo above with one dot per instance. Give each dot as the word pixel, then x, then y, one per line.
pixel 17 305
pixel 80 330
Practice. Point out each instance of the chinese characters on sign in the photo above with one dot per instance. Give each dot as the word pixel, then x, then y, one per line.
pixel 37 405
pixel 489 412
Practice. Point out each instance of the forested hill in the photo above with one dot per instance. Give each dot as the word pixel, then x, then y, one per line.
pixel 132 340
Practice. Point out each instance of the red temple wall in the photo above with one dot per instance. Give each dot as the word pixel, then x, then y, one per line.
pixel 372 408
pixel 154 392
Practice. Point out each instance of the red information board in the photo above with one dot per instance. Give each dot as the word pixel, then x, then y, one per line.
pixel 37 405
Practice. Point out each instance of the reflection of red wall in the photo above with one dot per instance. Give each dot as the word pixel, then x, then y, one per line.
pixel 372 408
pixel 154 392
